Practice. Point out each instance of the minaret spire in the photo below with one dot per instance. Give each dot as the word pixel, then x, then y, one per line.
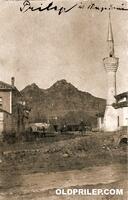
pixel 111 65
pixel 110 39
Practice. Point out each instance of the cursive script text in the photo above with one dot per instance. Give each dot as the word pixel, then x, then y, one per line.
pixel 28 7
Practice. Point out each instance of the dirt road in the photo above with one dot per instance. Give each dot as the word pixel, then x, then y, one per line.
pixel 41 186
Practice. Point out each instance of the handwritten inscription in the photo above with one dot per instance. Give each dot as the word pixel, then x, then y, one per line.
pixel 93 6
pixel 27 6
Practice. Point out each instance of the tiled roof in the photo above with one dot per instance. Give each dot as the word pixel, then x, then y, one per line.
pixel 5 86
pixel 122 95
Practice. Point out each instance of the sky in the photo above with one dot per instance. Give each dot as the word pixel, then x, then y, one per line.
pixel 44 47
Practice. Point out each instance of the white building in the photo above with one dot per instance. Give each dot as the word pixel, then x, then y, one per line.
pixel 116 112
pixel 121 106
pixel 13 112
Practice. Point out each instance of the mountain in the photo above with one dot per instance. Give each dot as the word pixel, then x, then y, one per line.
pixel 62 102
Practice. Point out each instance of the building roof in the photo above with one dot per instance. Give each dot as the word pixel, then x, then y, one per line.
pixel 122 95
pixel 8 87
pixel 2 110
pixel 120 105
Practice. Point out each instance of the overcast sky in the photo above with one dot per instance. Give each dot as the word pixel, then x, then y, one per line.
pixel 44 47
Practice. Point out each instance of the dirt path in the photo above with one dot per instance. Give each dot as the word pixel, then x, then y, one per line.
pixel 38 186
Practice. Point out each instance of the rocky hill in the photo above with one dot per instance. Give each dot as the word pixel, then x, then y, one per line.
pixel 62 102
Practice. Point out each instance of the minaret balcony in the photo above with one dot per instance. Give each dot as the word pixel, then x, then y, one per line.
pixel 111 64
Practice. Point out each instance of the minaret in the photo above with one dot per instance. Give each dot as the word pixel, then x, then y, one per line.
pixel 111 66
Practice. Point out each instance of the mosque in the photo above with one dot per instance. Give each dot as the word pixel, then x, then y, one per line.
pixel 116 112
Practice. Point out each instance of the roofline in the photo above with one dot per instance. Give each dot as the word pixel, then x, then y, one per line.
pixel 11 89
pixel 1 110
pixel 119 96
pixel 120 105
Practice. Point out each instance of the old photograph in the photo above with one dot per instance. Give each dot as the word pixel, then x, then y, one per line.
pixel 63 100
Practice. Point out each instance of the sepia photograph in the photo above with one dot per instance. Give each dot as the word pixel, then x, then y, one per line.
pixel 63 100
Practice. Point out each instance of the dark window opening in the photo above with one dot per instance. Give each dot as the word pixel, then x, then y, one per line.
pixel 118 120
pixel 1 102
pixel 124 141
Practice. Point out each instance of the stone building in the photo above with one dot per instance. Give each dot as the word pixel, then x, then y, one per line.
pixel 116 112
pixel 13 111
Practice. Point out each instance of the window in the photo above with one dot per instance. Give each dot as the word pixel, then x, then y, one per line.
pixel 1 102
pixel 118 120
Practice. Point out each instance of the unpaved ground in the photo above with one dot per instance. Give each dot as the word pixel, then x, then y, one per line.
pixel 26 167
pixel 76 153
pixel 43 185
pixel 35 191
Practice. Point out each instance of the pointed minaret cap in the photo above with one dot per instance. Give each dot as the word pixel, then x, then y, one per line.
pixel 110 39
pixel 110 33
